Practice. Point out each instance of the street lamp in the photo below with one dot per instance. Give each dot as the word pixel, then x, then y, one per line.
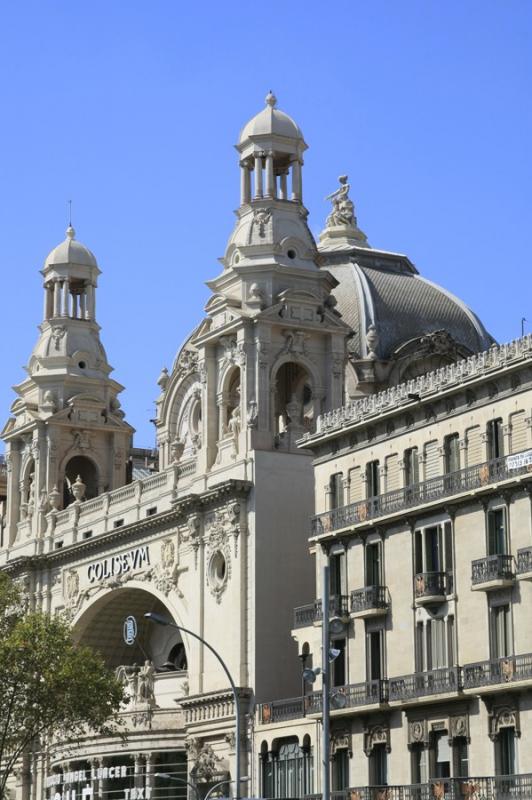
pixel 244 779
pixel 160 620
pixel 168 777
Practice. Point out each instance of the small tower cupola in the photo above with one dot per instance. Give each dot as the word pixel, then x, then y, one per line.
pixel 271 148
pixel 70 278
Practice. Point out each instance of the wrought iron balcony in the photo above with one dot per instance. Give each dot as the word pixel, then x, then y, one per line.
pixel 279 710
pixel 500 787
pixel 509 669
pixel 524 562
pixel 431 587
pixel 432 490
pixel 493 572
pixel 422 684
pixel 351 696
pixel 371 601
pixel 312 612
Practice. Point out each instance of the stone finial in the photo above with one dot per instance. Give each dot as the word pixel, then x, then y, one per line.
pixel 54 498
pixel 271 99
pixel 163 379
pixel 70 232
pixel 78 489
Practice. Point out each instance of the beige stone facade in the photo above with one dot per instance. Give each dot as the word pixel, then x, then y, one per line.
pixel 216 539
pixel 423 500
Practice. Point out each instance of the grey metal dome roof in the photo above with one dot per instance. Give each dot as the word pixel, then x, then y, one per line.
pixel 385 290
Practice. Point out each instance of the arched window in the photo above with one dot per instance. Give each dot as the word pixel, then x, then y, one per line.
pixel 294 401
pixel 287 770
pixel 178 657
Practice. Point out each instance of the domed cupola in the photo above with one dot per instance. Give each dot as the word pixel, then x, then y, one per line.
pixel 271 217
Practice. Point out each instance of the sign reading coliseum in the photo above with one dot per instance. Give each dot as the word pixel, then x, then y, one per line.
pixel 117 565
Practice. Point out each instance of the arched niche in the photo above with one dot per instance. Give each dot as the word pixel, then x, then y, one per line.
pixel 229 401
pixel 27 488
pixel 294 402
pixel 101 627
pixel 84 468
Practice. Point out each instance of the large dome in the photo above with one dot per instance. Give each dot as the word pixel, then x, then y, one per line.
pixel 270 122
pixel 70 251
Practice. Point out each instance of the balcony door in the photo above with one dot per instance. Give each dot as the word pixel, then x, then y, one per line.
pixel 337 574
pixel 374 564
pixel 433 548
pixel 374 654
pixel 500 631
pixel 497 532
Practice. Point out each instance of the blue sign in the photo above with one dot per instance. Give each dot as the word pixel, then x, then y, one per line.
pixel 130 630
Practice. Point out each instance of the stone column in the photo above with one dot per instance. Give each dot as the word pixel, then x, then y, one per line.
pixel 245 183
pixel 258 174
pixel 64 303
pixel 283 189
pixel 296 180
pixel 90 301
pixel 46 307
pixel 137 772
pixel 57 298
pixel 149 775
pixel 82 305
pixel 95 781
pixel 270 178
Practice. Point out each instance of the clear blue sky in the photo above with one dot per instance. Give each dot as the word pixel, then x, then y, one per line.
pixel 132 108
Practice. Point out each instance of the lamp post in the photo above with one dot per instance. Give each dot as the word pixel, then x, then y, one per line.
pixel 160 620
pixel 325 693
pixel 223 783
pixel 168 777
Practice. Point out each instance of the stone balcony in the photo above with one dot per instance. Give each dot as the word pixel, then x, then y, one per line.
pixel 432 587
pixel 500 787
pixel 492 573
pixel 370 601
pixel 500 672
pixel 524 563
pixel 472 480
pixel 311 613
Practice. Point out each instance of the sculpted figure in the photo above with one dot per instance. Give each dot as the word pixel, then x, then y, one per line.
pixel 343 212
pixel 233 426
pixel 145 684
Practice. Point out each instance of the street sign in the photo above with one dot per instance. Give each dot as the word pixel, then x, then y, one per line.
pixel 130 630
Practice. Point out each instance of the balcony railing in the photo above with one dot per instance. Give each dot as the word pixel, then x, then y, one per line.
pixel 501 787
pixel 351 696
pixel 368 598
pixel 433 584
pixel 312 612
pixel 492 568
pixel 431 490
pixel 500 670
pixel 421 684
pixel 280 710
pixel 524 560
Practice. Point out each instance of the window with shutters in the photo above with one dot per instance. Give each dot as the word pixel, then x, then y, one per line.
pixel 411 462
pixel 433 548
pixel 505 752
pixel 434 643
pixel 392 473
pixel 372 479
pixel 495 439
pixel 337 574
pixel 500 631
pixel 356 485
pixel 374 652
pixel 474 452
pixel 518 436
pixel 373 564
pixel 451 453
pixel 432 460
pixel 378 765
pixel 497 531
pixel 340 770
pixel 336 490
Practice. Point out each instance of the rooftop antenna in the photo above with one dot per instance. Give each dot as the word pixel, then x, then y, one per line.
pixel 70 213
pixel 523 320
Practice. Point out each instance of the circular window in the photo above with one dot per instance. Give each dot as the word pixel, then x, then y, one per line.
pixel 291 253
pixel 218 569
pixel 195 417
pixel 82 365
pixel 237 258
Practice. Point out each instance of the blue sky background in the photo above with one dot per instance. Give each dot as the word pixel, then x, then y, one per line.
pixel 132 109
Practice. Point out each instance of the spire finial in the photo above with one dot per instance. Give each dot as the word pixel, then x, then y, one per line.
pixel 271 99
pixel 70 232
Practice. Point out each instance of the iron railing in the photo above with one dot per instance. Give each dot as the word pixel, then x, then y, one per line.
pixel 279 710
pixel 312 612
pixel 431 490
pixel 433 584
pixel 500 787
pixel 421 684
pixel 351 696
pixel 369 597
pixel 500 670
pixel 524 560
pixel 492 568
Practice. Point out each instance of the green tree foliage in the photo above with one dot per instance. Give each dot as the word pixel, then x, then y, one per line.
pixel 49 686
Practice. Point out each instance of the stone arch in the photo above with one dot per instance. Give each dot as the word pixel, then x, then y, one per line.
pixel 100 623
pixel 85 467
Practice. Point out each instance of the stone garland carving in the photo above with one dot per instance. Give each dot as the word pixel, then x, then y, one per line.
pixel 191 533
pixel 234 352
pixel 261 217
pixel 295 343
pixel 377 734
pixel 341 741
pixel 205 763
pixel 58 332
pixel 503 717
pixel 418 733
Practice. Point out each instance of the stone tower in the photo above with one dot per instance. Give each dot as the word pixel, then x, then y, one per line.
pixel 66 439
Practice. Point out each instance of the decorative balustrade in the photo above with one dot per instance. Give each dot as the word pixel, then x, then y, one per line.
pixel 493 568
pixel 422 684
pixel 432 584
pixel 431 490
pixel 524 560
pixel 498 671
pixel 312 612
pixel 355 694
pixel 457 374
pixel 369 598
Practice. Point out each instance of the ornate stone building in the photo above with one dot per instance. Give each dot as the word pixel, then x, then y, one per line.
pixel 217 539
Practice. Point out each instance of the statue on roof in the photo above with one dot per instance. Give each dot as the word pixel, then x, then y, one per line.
pixel 343 212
